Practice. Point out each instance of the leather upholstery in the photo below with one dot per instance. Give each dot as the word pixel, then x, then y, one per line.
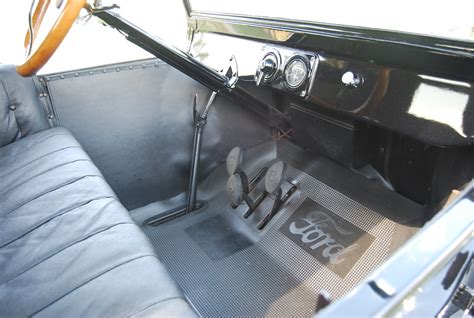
pixel 21 113
pixel 67 245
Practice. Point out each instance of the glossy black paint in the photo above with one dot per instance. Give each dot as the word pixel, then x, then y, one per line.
pixel 429 55
pixel 428 108
pixel 431 109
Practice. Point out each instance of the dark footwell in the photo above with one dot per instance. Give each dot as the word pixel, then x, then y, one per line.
pixel 333 231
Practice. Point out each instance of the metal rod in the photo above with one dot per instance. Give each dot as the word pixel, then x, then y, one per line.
pixel 208 106
pixel 200 123
pixel 194 170
pixel 254 182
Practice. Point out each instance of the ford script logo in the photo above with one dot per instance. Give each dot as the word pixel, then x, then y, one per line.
pixel 331 239
pixel 313 233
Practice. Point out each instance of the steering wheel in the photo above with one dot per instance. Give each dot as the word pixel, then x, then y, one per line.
pixel 38 55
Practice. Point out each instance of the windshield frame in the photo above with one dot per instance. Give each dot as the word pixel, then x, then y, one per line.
pixel 431 55
pixel 468 42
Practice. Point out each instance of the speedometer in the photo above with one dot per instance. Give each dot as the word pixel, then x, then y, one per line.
pixel 296 72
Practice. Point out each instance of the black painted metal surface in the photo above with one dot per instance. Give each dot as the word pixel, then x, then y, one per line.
pixel 432 109
pixel 452 58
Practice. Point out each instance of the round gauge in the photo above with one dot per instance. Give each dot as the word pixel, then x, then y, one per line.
pixel 296 72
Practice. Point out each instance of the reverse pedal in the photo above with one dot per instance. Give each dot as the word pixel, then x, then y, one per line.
pixel 236 193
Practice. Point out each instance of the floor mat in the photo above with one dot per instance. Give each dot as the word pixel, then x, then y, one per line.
pixel 320 240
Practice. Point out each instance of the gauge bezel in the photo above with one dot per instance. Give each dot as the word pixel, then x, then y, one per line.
pixel 307 64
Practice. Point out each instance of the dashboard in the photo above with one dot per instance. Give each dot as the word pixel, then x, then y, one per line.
pixel 430 108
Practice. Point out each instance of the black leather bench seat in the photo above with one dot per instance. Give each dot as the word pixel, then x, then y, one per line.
pixel 67 246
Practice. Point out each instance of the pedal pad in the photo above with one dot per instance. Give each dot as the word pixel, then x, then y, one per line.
pixel 234 189
pixel 275 176
pixel 234 160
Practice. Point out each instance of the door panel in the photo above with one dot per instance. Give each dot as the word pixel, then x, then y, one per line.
pixel 135 122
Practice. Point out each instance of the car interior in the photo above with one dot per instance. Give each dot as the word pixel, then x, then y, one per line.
pixel 270 177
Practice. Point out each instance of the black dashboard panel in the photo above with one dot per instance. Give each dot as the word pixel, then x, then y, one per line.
pixel 429 108
pixel 421 53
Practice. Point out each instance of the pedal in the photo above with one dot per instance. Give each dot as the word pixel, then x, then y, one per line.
pixel 238 187
pixel 235 191
pixel 234 160
pixel 234 166
pixel 274 178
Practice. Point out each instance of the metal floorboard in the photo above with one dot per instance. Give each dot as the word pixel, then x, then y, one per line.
pixel 228 268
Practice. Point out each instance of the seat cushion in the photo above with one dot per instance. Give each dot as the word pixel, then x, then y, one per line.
pixel 67 245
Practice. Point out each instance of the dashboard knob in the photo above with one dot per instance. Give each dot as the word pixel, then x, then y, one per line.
pixel 351 79
pixel 267 68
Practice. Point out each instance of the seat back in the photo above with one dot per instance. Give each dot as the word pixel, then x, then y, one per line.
pixel 21 111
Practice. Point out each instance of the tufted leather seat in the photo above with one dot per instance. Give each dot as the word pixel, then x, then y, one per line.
pixel 67 245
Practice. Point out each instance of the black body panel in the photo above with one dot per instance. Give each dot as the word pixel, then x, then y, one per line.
pixel 434 110
pixel 413 104
pixel 437 56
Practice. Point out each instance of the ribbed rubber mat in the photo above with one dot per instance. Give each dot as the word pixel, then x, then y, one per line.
pixel 279 273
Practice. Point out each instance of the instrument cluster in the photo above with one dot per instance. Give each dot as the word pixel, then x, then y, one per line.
pixel 287 69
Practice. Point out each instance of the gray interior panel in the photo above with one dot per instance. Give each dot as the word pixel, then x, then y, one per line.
pixel 135 122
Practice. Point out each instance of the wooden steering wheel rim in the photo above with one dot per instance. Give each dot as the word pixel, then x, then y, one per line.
pixel 38 58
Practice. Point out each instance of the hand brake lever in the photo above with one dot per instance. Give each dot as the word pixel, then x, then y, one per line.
pixel 199 122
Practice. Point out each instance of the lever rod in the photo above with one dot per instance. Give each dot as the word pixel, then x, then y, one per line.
pixel 277 204
pixel 200 123
pixel 254 182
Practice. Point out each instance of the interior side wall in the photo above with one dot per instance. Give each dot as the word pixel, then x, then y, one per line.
pixel 135 121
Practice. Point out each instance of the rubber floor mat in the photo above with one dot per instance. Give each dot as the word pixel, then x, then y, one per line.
pixel 320 240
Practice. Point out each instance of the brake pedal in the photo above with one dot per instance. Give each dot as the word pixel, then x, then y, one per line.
pixel 274 178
